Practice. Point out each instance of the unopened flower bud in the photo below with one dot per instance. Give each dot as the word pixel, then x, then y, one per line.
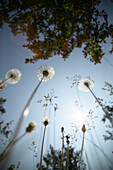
pixel 84 128
pixel 31 127
pixel 62 129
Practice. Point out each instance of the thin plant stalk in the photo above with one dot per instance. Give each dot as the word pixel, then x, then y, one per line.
pixel 82 146
pixel 107 115
pixel 54 137
pixel 24 114
pixel 31 97
pixel 62 150
pixel 42 148
pixel 26 110
pixel 33 159
pixel 3 155
pixel 104 154
pixel 19 138
pixel 4 81
pixel 67 162
pixel 67 153
pixel 87 161
pixel 54 128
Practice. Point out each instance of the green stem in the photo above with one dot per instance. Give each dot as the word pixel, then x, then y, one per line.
pixel 54 128
pixel 106 113
pixel 19 138
pixel 62 151
pixel 82 146
pixel 99 149
pixel 42 148
pixel 2 156
pixel 25 109
pixel 4 81
pixel 17 129
pixel 67 162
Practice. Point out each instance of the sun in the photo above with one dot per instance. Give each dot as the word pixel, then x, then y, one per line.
pixel 77 115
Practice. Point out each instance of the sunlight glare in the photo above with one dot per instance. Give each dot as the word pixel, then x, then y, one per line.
pixel 26 112
pixel 77 115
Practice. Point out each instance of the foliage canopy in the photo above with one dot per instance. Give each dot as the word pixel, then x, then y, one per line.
pixel 56 27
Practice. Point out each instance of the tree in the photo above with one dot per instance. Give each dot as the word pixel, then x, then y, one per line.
pixel 53 158
pixel 56 27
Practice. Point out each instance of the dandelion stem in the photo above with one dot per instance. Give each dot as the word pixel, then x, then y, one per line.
pixel 67 162
pixel 62 148
pixel 87 161
pixel 82 146
pixel 24 115
pixel 81 153
pixel 25 111
pixel 4 81
pixel 54 128
pixel 106 113
pixel 31 97
pixel 54 137
pixel 19 138
pixel 104 154
pixel 42 148
pixel 2 156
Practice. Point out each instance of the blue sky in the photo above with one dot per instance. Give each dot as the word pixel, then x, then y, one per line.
pixel 12 55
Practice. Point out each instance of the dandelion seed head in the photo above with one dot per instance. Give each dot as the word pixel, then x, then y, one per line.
pixel 45 72
pixel 46 121
pixel 14 75
pixel 85 83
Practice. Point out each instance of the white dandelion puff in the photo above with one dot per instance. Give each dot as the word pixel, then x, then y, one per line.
pixel 13 76
pixel 46 121
pixel 85 83
pixel 45 73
